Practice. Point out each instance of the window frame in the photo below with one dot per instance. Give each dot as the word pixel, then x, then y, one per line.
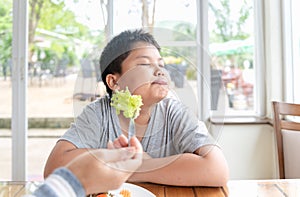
pixel 288 58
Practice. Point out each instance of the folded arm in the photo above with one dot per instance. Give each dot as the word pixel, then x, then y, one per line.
pixel 188 169
pixel 62 153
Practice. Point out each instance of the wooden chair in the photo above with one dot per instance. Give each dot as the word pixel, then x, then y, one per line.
pixel 286 129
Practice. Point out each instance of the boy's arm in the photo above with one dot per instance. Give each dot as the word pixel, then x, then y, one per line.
pixel 186 169
pixel 62 153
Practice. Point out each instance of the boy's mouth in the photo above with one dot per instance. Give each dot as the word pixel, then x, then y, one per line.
pixel 160 82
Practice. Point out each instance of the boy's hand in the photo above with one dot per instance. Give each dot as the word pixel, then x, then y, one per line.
pixel 119 142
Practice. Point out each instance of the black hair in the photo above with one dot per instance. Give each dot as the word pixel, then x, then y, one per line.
pixel 118 49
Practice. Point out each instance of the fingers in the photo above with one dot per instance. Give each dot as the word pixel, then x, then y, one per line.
pixel 119 142
pixel 110 145
pixel 136 143
pixel 128 166
pixel 139 149
pixel 113 155
pixel 135 162
pixel 123 140
pixel 124 159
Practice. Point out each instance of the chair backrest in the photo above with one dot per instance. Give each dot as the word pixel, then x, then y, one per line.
pixel 286 129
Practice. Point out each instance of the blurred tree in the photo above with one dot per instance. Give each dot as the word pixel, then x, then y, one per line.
pixel 104 9
pixel 35 7
pixel 147 16
pixel 62 22
pixel 5 35
pixel 146 7
pixel 61 27
pixel 187 54
pixel 229 26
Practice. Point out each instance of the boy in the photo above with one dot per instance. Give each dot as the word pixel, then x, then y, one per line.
pixel 178 148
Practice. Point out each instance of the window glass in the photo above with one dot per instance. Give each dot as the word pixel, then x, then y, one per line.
pixel 130 14
pixel 5 58
pixel 295 6
pixel 231 50
pixel 64 50
pixel 5 87
pixel 176 34
pixel 63 64
pixel 63 70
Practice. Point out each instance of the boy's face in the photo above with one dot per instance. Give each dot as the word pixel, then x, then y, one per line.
pixel 144 74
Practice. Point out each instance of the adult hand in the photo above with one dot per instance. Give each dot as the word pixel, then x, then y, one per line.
pixel 119 142
pixel 122 141
pixel 106 169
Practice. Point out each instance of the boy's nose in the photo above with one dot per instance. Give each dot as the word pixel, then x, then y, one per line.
pixel 159 72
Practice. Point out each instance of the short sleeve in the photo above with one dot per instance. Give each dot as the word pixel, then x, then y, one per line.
pixel 85 131
pixel 189 132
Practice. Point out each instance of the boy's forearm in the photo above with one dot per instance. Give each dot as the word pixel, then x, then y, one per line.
pixel 184 170
pixel 59 159
pixel 171 170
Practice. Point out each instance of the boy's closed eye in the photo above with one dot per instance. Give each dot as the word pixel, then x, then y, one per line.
pixel 144 64
pixel 149 64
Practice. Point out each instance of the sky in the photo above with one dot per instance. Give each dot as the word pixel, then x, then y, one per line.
pixel 88 12
pixel 127 12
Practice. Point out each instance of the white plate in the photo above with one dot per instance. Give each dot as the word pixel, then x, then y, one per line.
pixel 136 191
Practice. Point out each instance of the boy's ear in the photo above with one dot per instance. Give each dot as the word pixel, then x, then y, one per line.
pixel 111 81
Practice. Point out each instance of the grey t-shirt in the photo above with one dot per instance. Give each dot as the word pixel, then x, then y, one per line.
pixel 172 129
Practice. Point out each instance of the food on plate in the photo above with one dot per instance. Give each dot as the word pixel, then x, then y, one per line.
pixel 125 193
pixel 122 193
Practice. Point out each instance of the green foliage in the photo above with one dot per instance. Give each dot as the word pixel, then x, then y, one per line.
pixel 5 31
pixel 191 73
pixel 64 32
pixel 5 15
pixel 62 20
pixel 228 27
pixel 186 56
pixel 185 32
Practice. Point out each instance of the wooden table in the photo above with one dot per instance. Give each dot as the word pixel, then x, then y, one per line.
pixel 238 188
pixel 268 188
pixel 173 191
pixel 17 188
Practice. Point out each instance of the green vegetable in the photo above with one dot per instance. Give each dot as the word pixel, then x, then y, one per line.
pixel 129 104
